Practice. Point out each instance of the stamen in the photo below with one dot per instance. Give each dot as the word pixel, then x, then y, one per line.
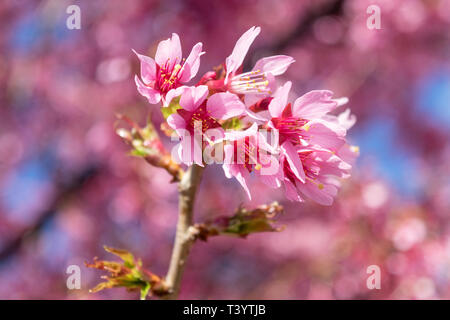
pixel 250 82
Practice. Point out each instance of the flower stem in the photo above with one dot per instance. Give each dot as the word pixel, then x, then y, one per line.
pixel 184 237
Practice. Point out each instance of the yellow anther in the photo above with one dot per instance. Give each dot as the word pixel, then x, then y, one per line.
pixel 320 186
pixel 258 166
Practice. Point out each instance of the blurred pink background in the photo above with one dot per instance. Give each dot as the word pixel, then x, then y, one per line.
pixel 68 187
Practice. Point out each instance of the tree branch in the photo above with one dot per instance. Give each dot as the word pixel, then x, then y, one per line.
pixel 185 234
pixel 302 29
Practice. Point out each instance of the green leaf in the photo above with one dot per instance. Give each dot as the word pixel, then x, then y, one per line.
pixel 126 256
pixel 128 274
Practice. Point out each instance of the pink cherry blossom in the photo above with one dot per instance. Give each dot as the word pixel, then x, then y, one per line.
pixel 312 142
pixel 199 114
pixel 318 181
pixel 248 151
pixel 307 120
pixel 254 84
pixel 260 80
pixel 163 76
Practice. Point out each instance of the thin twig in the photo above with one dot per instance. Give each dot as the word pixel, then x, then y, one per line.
pixel 184 237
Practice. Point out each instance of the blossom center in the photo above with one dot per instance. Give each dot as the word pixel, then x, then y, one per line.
pixel 247 153
pixel 290 128
pixel 200 117
pixel 168 76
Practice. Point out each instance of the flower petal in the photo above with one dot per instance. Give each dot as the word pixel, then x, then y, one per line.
pixel 192 63
pixel 169 51
pixel 279 100
pixel 314 104
pixel 258 116
pixel 176 122
pixel 151 94
pixel 234 61
pixel 291 191
pixel 275 65
pixel 148 68
pixel 270 180
pixel 193 97
pixel 325 134
pixel 225 105
pixel 173 93
pixel 320 193
pixel 242 176
pixel 346 119
pixel 234 135
pixel 293 160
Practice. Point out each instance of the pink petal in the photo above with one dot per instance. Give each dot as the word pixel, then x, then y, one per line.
pixel 322 195
pixel 275 65
pixel 225 105
pixel 173 93
pixel 341 101
pixel 177 123
pixel 197 152
pixel 291 191
pixel 348 153
pixel 234 135
pixel 293 160
pixel 346 119
pixel 258 116
pixel 270 180
pixel 251 98
pixel 279 100
pixel 314 104
pixel 192 63
pixel 330 164
pixel 242 176
pixel 235 170
pixel 264 145
pixel 228 151
pixel 234 61
pixel 148 68
pixel 334 126
pixel 324 136
pixel 169 51
pixel 151 94
pixel 193 97
pixel 189 149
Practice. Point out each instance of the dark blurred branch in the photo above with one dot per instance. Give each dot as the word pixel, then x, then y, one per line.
pixel 65 189
pixel 300 30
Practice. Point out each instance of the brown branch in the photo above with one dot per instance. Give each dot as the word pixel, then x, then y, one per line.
pixel 147 144
pixel 166 162
pixel 185 233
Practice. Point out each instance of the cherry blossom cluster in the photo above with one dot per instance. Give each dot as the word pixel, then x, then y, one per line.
pixel 246 122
